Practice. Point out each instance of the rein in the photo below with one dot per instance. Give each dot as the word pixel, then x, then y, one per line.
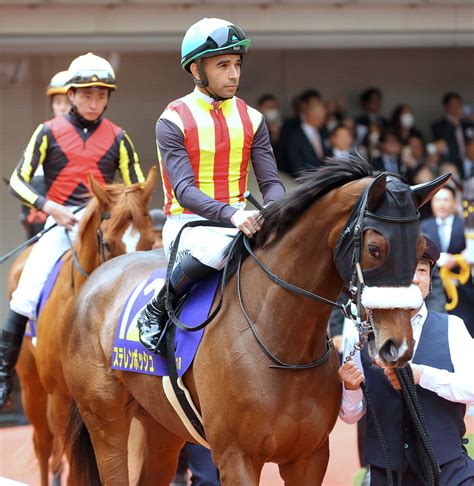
pixel 100 240
pixel 288 286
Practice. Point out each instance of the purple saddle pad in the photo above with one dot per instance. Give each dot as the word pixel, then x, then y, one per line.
pixel 130 355
pixel 44 296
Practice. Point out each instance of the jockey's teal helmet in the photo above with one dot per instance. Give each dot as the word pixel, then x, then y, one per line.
pixel 212 37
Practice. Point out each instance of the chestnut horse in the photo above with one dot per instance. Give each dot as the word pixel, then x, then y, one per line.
pixel 39 368
pixel 252 413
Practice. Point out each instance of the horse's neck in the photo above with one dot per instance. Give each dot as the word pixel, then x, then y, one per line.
pixel 294 326
pixel 87 250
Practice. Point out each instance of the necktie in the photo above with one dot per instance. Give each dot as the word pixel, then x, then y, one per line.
pixel 318 147
pixel 443 236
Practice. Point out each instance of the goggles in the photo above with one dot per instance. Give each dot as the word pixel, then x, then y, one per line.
pixel 219 39
pixel 92 76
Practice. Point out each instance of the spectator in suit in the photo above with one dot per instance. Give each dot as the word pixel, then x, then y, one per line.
pixel 468 164
pixel 268 105
pixel 390 159
pixel 414 152
pixel 454 129
pixel 403 123
pixel 300 104
pixel 446 229
pixel 308 141
pixel 341 142
pixel 371 105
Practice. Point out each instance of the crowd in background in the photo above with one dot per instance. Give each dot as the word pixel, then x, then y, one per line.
pixel 319 128
pixel 322 128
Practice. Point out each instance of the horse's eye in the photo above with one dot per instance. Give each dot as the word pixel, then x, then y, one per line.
pixel 374 251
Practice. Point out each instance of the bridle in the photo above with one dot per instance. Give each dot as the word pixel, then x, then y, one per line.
pixel 353 227
pixel 104 215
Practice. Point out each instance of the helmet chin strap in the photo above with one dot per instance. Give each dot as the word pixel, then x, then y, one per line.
pixel 203 83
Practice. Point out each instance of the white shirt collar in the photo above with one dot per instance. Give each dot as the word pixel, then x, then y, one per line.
pixel 205 97
pixel 420 317
pixel 448 221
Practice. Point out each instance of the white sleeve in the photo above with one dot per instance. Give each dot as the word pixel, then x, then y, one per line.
pixel 353 403
pixel 456 386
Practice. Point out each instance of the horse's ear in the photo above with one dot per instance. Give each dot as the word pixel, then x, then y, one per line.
pixel 149 185
pixel 99 192
pixel 376 192
pixel 424 192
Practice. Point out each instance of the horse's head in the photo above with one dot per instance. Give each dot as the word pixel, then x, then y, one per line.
pixel 125 223
pixel 377 254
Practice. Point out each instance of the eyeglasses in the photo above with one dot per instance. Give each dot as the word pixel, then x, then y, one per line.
pixel 87 76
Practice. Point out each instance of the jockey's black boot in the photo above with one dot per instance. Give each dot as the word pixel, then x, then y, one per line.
pixel 152 321
pixel 10 345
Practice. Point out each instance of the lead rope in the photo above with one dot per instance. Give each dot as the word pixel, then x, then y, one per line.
pixel 410 397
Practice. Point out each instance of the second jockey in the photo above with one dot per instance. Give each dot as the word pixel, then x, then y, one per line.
pixel 205 142
pixel 34 219
pixel 68 147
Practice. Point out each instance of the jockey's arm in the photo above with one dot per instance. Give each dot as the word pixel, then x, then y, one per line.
pixel 129 164
pixel 172 150
pixel 33 156
pixel 264 165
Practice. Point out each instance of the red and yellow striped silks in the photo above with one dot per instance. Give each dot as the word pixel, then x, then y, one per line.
pixel 218 141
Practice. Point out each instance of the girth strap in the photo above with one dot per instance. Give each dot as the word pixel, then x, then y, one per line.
pixel 173 374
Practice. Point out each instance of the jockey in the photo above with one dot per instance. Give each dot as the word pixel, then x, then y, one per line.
pixel 68 147
pixel 205 142
pixel 33 219
pixel 57 91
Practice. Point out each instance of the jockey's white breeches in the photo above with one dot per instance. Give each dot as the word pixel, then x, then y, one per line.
pixel 38 266
pixel 205 243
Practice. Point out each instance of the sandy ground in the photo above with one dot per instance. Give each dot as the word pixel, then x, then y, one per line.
pixel 18 463
pixel 17 459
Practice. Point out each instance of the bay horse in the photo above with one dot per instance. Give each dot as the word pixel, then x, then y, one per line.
pixel 117 212
pixel 252 413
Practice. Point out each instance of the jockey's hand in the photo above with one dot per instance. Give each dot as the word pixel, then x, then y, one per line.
pixel 61 214
pixel 249 222
pixel 351 375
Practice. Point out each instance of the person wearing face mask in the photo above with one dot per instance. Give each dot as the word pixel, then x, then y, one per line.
pixel 268 106
pixel 403 123
pixel 69 148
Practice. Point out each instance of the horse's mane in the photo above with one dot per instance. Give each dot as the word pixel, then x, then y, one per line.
pixel 127 206
pixel 281 215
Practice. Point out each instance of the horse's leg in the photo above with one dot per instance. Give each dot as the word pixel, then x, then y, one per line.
pixel 34 399
pixel 236 468
pixel 161 453
pixel 108 417
pixel 306 471
pixel 136 450
pixel 59 407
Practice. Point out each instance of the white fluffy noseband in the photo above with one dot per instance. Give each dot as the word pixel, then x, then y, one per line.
pixel 392 297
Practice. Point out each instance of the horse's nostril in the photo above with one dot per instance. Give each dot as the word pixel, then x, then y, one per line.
pixel 389 351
